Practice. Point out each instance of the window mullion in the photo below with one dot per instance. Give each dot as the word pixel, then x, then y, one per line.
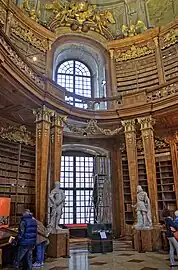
pixel 74 191
pixel 74 83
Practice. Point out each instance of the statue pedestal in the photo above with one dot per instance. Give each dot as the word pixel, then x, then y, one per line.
pixel 147 239
pixel 58 244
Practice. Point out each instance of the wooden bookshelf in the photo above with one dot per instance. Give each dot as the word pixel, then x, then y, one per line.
pixel 165 185
pixel 127 193
pixel 17 177
pixel 170 62
pixel 142 173
pixel 134 75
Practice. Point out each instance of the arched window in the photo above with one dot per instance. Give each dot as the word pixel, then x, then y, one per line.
pixel 76 77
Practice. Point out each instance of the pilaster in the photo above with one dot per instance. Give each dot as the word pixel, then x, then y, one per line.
pixel 56 147
pixel 131 147
pixel 113 74
pixel 149 153
pixel 43 115
pixel 159 61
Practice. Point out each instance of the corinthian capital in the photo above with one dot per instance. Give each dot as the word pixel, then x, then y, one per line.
pixel 57 119
pixel 43 114
pixel 146 122
pixel 129 125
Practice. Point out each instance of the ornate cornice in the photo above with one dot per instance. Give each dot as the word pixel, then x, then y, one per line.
pixel 17 134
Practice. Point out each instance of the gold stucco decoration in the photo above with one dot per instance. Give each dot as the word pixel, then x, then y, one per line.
pixel 92 128
pixel 133 30
pixel 80 15
pixel 17 134
pixel 26 34
pixel 169 39
pixel 133 52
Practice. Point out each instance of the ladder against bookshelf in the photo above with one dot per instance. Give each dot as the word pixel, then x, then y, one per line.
pixel 127 193
pixel 17 177
pixel 165 184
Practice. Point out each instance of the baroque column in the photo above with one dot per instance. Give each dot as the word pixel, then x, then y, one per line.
pixel 56 147
pixel 131 147
pixel 149 152
pixel 42 151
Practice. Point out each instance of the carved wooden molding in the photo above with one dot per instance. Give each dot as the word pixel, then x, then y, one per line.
pixel 18 134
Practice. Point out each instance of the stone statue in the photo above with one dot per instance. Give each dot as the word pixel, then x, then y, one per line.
pixel 143 209
pixel 56 204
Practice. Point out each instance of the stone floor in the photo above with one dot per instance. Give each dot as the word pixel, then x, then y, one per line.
pixel 123 258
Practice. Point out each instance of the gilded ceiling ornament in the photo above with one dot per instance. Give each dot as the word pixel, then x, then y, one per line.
pixel 92 128
pixel 26 34
pixel 18 134
pixel 22 65
pixel 133 30
pixel 79 14
pixel 132 53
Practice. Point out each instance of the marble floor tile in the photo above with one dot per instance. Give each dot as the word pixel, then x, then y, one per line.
pixel 81 259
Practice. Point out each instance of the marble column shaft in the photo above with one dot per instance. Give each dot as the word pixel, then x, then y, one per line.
pixel 150 162
pixel 56 148
pixel 131 147
pixel 42 152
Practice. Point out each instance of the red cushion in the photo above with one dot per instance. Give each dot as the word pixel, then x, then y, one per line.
pixel 70 226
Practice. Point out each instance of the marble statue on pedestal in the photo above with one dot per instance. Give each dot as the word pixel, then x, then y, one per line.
pixel 56 204
pixel 143 209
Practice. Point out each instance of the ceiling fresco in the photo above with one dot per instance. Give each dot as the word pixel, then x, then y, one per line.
pixel 124 12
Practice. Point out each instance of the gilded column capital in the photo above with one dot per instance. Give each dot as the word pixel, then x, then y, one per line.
pixel 146 122
pixel 43 114
pixel 57 119
pixel 129 125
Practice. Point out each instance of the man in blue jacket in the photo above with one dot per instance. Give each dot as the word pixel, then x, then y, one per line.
pixel 26 240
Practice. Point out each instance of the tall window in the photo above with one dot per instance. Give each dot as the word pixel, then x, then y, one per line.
pixel 77 183
pixel 76 78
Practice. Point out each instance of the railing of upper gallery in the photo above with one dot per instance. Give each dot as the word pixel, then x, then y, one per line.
pixel 44 88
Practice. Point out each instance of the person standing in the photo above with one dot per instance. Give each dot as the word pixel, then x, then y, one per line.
pixel 26 240
pixel 41 243
pixel 176 217
pixel 173 244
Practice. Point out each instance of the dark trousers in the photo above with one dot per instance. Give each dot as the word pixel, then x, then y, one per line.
pixel 40 251
pixel 24 254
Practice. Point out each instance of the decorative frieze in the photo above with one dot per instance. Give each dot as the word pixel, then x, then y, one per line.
pixel 26 34
pixel 133 52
